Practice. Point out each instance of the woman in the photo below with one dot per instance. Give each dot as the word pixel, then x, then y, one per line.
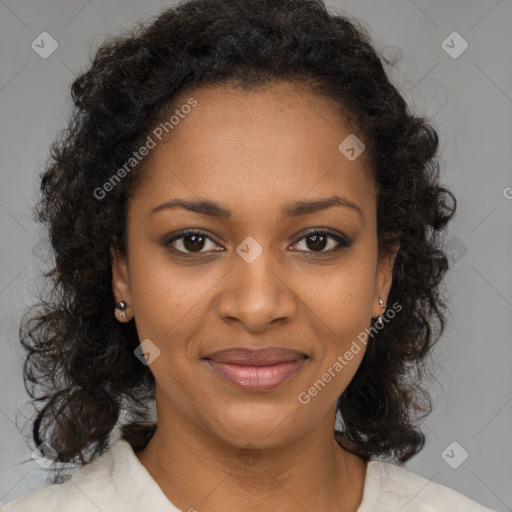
pixel 247 223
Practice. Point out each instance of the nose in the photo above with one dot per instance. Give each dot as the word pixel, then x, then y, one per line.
pixel 257 294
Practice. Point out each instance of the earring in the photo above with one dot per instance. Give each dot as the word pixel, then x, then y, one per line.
pixel 122 307
pixel 379 320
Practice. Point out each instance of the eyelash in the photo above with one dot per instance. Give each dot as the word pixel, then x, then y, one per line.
pixel 341 240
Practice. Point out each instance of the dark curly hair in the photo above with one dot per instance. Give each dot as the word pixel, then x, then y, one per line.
pixel 80 364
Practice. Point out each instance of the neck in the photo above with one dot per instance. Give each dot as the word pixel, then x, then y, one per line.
pixel 198 471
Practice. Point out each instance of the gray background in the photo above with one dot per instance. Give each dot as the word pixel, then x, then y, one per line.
pixel 469 99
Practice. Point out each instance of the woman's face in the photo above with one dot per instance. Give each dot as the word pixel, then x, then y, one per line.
pixel 269 276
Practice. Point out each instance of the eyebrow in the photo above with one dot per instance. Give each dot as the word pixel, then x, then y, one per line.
pixel 212 209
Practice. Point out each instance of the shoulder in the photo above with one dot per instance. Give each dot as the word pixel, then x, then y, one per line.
pixel 114 481
pixel 88 484
pixel 389 487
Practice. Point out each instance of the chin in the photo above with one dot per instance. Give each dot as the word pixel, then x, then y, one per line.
pixel 261 425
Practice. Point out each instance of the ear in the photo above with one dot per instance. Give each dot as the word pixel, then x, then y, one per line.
pixel 120 280
pixel 384 279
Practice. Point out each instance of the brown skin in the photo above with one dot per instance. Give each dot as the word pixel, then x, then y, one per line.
pixel 252 152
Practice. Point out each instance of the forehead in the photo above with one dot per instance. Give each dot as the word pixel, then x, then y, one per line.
pixel 275 143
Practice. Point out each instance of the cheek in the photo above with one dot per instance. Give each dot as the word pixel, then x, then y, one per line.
pixel 344 310
pixel 166 299
pixel 342 297
pixel 340 305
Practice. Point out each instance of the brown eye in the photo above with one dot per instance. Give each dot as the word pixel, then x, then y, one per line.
pixel 317 241
pixel 321 242
pixel 190 242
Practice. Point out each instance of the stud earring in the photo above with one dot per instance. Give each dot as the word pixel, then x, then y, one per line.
pixel 380 323
pixel 122 306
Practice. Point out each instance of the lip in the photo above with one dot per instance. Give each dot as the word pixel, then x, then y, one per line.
pixel 256 370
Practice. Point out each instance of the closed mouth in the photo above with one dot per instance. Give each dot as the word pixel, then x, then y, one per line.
pixel 256 370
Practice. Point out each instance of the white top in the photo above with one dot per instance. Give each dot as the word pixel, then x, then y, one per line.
pixel 117 481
